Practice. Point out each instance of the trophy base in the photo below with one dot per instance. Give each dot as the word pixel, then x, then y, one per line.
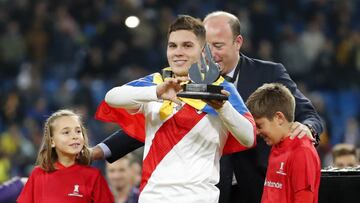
pixel 202 91
pixel 202 95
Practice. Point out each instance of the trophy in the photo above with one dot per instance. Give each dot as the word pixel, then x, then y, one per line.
pixel 202 78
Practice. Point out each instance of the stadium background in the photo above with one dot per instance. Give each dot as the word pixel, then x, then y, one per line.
pixel 67 54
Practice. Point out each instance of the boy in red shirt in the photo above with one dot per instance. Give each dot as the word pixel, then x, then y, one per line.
pixel 293 173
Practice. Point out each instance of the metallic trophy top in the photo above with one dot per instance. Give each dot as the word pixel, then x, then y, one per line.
pixel 208 72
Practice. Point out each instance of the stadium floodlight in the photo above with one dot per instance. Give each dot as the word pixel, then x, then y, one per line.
pixel 132 21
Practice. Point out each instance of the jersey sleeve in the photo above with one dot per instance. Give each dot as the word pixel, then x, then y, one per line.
pixel 239 122
pixel 27 193
pixel 101 191
pixel 304 196
pixel 304 170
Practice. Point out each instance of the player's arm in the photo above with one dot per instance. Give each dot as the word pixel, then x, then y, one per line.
pixel 238 125
pixel 129 97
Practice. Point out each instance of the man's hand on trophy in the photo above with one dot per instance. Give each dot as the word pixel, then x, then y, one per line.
pixel 217 104
pixel 169 88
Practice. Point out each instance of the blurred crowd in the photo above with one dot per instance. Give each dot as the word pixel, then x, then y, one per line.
pixel 67 54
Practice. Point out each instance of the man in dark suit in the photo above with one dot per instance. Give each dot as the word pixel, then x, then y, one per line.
pixel 223 35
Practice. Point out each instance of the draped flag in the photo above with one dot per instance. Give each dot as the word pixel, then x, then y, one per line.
pixel 134 124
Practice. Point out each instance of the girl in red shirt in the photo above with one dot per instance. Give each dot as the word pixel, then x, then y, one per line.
pixel 63 173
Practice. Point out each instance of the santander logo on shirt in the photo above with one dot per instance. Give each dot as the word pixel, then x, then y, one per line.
pixel 276 183
pixel 269 183
pixel 76 192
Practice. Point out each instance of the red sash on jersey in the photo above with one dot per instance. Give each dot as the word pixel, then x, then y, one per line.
pixel 168 135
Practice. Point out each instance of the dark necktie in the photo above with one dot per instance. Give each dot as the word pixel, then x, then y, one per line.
pixel 237 69
pixel 228 78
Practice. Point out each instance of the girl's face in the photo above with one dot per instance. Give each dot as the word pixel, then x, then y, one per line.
pixel 68 138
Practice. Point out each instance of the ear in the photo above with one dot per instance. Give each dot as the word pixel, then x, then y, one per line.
pixel 52 143
pixel 280 117
pixel 238 42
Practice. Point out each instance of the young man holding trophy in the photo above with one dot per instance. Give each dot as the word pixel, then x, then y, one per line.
pixel 185 135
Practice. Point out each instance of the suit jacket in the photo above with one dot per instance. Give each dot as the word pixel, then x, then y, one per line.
pixel 249 166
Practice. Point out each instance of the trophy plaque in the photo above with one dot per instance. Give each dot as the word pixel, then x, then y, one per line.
pixel 201 79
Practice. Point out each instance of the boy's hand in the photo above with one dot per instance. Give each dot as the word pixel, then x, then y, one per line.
pixel 217 104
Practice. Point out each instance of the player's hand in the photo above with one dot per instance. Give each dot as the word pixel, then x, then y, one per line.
pixel 217 104
pixel 169 88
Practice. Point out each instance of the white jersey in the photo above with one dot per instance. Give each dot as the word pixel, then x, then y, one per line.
pixel 190 170
pixel 182 151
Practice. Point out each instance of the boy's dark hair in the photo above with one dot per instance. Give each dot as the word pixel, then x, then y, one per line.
pixel 343 149
pixel 271 98
pixel 185 22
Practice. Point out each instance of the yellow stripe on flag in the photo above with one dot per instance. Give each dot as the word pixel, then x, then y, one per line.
pixel 166 109
pixel 157 78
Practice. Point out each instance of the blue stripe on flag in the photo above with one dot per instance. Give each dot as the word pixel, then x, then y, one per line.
pixel 234 98
pixel 143 82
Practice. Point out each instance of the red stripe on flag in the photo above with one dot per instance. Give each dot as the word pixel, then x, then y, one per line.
pixel 168 135
pixel 131 124
pixel 232 145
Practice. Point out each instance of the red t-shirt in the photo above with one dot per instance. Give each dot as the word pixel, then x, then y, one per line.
pixel 294 165
pixel 77 184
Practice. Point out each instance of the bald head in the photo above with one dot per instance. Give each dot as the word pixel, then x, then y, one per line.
pixel 229 18
pixel 223 36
